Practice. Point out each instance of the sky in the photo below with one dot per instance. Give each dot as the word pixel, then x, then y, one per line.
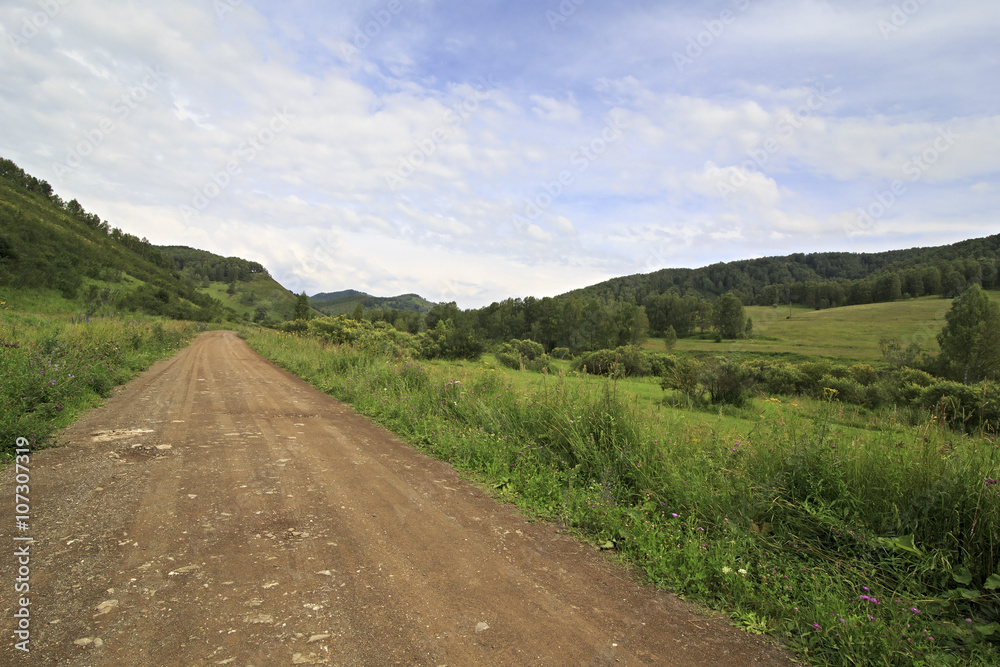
pixel 472 151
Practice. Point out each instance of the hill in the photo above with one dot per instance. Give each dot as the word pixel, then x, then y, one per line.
pixel 245 287
pixel 345 301
pixel 48 243
pixel 820 280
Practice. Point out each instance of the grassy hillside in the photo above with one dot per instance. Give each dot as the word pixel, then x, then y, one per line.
pixel 849 333
pixel 48 244
pixel 344 302
pixel 243 286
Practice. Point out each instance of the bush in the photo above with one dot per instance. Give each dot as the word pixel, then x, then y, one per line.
pixel 560 353
pixel 518 354
pixel 963 406
pixel 846 389
pixel 294 326
pixel 625 361
pixel 776 377
pixel 863 374
pixel 539 365
pixel 726 382
pixel 682 374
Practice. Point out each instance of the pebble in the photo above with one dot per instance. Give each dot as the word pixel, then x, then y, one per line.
pixel 106 606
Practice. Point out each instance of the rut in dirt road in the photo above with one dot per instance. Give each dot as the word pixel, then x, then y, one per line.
pixel 218 510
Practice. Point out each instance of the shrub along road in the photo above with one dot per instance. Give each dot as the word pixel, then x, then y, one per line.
pixel 218 510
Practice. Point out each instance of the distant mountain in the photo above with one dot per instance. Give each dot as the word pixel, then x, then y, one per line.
pixel 333 296
pixel 345 301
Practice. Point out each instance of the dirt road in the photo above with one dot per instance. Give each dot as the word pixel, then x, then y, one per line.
pixel 218 510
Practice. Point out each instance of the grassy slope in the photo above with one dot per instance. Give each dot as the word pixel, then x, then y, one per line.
pixel 57 250
pixel 279 302
pixel 850 333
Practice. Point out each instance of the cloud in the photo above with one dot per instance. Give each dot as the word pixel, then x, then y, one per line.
pixel 405 165
pixel 554 110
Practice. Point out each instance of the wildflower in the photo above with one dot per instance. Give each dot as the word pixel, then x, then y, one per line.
pixel 727 570
pixel 914 610
pixel 817 626
pixel 742 571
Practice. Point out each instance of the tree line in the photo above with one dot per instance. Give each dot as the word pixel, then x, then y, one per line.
pixel 821 280
pixel 202 265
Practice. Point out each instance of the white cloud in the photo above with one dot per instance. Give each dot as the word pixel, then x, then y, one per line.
pixel 405 163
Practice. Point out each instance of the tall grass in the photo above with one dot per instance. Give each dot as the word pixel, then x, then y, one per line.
pixel 852 548
pixel 54 366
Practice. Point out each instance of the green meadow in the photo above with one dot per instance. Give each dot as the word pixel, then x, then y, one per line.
pixel 847 333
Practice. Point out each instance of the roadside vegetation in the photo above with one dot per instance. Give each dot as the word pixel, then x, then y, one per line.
pixel 854 535
pixel 54 364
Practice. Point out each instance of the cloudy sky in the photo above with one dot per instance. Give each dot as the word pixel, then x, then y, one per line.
pixel 472 150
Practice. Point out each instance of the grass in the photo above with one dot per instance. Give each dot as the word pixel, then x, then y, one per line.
pixel 852 545
pixel 846 333
pixel 55 364
pixel 266 292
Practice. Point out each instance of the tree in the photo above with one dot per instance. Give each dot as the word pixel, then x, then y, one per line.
pixel 670 337
pixel 359 312
pixel 896 354
pixel 728 316
pixel 302 309
pixel 970 341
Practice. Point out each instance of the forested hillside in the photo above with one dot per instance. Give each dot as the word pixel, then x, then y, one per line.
pixel 245 287
pixel 346 301
pixel 820 280
pixel 46 242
